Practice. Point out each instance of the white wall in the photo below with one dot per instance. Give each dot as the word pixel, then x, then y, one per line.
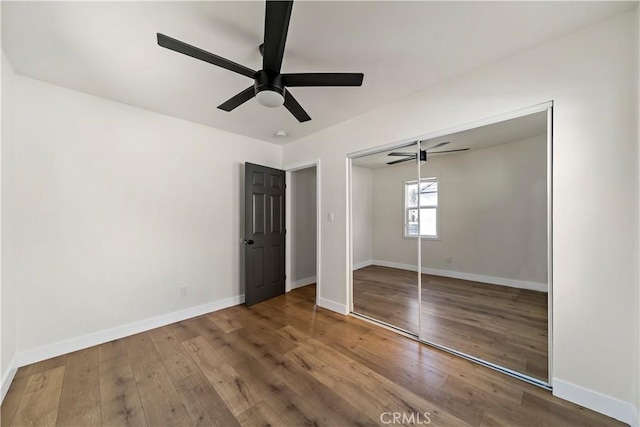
pixel 493 212
pixel 303 224
pixel 7 281
pixel 115 208
pixel 591 75
pixel 637 310
pixel 362 215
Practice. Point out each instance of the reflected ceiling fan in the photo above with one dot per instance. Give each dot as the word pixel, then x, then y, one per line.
pixel 423 153
pixel 270 86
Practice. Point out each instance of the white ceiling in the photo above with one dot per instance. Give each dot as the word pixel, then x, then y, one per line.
pixel 109 49
pixel 505 132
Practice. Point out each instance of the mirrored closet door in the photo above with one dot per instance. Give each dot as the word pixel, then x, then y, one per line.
pixel 385 261
pixel 468 213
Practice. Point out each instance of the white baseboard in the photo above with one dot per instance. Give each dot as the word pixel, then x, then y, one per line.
pixel 397 265
pixel 363 264
pixel 512 283
pixel 303 282
pixel 332 305
pixel 607 405
pixel 7 379
pixel 74 344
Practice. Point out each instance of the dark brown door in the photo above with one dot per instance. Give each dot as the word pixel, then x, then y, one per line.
pixel 264 233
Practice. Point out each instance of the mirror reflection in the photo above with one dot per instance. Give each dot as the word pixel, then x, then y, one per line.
pixel 475 202
pixel 381 290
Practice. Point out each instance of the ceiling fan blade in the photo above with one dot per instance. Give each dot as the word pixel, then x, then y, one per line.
pixel 399 154
pixel 438 145
pixel 323 79
pixel 276 26
pixel 448 151
pixel 203 55
pixel 239 99
pixel 292 105
pixel 401 160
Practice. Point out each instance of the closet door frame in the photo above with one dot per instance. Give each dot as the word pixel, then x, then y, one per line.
pixel 546 106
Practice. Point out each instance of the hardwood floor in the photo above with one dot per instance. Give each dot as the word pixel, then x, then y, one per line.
pixel 283 362
pixel 499 324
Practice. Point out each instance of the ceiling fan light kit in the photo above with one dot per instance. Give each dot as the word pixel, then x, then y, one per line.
pixel 270 86
pixel 269 89
pixel 269 98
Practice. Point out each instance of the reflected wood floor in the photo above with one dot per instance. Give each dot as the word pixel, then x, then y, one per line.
pixel 503 325
pixel 283 362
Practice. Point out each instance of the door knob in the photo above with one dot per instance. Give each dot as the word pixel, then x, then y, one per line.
pixel 248 242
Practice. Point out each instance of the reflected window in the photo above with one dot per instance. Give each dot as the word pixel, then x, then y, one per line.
pixel 421 208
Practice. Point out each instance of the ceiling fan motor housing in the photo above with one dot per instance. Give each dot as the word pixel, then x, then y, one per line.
pixel 273 86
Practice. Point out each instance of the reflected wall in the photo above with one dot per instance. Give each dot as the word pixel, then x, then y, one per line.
pixel 380 290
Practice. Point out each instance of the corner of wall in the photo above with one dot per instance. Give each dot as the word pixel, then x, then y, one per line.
pixel 7 379
pixel 7 287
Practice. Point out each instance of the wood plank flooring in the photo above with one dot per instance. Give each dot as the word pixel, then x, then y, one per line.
pixel 283 362
pixel 503 325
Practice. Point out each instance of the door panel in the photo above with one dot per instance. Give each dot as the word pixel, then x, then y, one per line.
pixel 486 222
pixel 264 233
pixel 277 214
pixel 385 291
pixel 258 214
pixel 257 257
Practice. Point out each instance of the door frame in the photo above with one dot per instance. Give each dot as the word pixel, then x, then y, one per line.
pixel 288 217
pixel 545 106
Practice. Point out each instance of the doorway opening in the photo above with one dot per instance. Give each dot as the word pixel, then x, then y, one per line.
pixel 303 228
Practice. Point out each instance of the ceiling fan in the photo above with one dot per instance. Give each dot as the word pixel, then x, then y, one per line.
pixel 270 86
pixel 423 153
